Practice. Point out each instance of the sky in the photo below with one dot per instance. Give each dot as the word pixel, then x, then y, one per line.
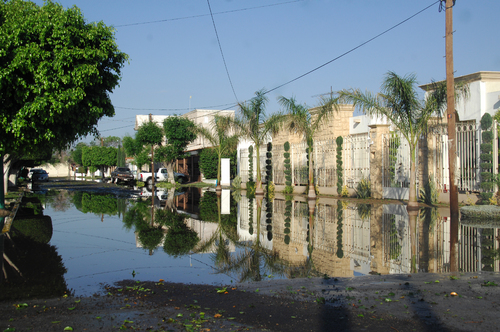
pixel 183 58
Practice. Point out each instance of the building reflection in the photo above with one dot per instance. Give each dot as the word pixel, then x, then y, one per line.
pixel 348 239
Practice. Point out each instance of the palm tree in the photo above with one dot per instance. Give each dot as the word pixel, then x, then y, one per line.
pixel 300 120
pixel 223 235
pixel 255 125
pixel 221 138
pixel 399 102
pixel 254 261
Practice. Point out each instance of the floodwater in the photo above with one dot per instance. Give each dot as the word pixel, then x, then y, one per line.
pixel 101 237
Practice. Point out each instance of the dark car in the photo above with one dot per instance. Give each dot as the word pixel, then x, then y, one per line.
pixel 38 174
pixel 123 174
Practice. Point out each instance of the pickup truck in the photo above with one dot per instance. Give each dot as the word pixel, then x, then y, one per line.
pixel 122 174
pixel 160 176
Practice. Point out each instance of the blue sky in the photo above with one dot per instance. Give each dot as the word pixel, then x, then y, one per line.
pixel 176 64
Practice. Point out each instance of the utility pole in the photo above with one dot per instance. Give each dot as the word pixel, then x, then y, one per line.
pixel 452 137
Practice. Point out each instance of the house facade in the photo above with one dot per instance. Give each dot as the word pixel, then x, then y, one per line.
pixel 200 117
pixel 372 149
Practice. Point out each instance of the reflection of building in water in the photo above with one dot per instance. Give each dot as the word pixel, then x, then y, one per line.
pixel 368 239
pixel 247 222
pixel 205 231
pixel 396 239
pixel 479 248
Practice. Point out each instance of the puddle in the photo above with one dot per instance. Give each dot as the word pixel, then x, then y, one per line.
pixel 93 237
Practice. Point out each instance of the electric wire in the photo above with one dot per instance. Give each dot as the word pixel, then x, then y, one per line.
pixel 221 52
pixel 333 60
pixel 203 15
pixel 353 49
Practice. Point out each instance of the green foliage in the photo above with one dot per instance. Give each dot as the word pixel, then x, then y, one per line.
pixel 97 156
pixel 393 155
pixel 288 169
pixel 96 203
pixel 150 237
pixel 38 228
pixel 364 210
pixel 236 184
pixel 271 189
pixel 269 164
pixel 340 230
pixel 57 75
pixel 251 186
pixel 487 136
pixel 363 189
pixel 486 157
pixel 180 239
pixel 340 169
pixel 149 134
pixel 76 153
pixel 209 162
pixel 288 190
pixel 486 153
pixel 429 193
pixel 179 132
pixel 42 271
pixel 288 214
pixel 486 122
pixel 208 207
pixel 486 148
pixel 250 164
pixel 487 166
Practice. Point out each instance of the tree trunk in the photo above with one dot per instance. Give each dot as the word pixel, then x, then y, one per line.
pixel 312 191
pixel 412 199
pixel 170 171
pixel 219 187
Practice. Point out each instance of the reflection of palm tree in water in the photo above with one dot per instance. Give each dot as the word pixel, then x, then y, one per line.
pixel 253 257
pixel 221 238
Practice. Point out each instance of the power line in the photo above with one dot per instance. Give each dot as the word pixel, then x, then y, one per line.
pixel 342 55
pixel 353 49
pixel 172 109
pixel 203 15
pixel 221 52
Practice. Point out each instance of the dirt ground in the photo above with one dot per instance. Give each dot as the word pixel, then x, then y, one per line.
pixel 417 302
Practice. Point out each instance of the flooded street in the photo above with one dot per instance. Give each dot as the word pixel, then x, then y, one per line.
pixel 103 235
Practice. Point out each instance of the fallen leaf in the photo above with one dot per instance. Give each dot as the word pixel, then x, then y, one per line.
pixel 68 328
pixel 453 294
pixel 217 315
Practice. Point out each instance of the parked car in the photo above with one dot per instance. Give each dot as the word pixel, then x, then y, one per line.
pixel 162 175
pixel 123 174
pixel 38 174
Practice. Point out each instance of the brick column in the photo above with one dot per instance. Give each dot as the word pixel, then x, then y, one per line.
pixel 376 145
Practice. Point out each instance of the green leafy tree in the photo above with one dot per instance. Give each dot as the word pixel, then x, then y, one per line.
pixel 179 132
pixel 56 74
pixel 255 125
pixel 222 137
pixel 399 102
pixel 149 134
pixel 134 148
pixel 99 157
pixel 300 119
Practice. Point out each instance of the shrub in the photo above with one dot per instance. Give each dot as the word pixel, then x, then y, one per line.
pixel 340 168
pixel 429 194
pixel 363 189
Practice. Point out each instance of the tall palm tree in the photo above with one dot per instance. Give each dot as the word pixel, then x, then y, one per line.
pixel 300 120
pixel 222 136
pixel 399 102
pixel 255 125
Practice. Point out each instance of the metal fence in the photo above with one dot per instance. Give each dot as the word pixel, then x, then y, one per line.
pixel 355 158
pixel 395 160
